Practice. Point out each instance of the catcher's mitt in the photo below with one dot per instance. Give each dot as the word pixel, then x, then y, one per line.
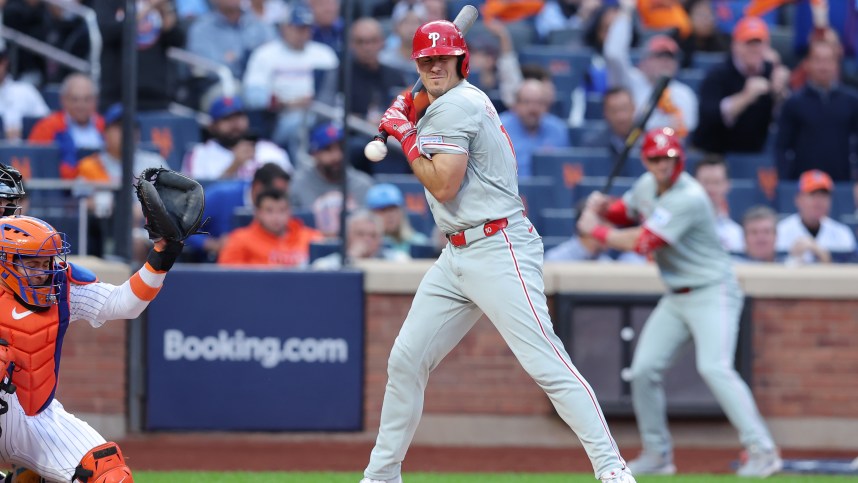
pixel 172 204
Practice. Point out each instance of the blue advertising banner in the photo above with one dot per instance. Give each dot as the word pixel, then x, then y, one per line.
pixel 256 350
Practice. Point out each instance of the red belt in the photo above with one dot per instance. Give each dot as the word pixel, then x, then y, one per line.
pixel 683 289
pixel 466 237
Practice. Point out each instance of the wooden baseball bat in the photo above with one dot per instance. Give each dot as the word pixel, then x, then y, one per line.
pixel 463 21
pixel 637 130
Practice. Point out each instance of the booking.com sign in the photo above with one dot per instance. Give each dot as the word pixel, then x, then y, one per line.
pixel 272 343
pixel 267 351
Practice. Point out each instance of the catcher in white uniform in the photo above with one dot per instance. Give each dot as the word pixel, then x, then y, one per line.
pixel 704 301
pixel 491 265
pixel 41 294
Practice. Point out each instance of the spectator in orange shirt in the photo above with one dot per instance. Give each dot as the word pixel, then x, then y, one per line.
pixel 272 238
pixel 76 126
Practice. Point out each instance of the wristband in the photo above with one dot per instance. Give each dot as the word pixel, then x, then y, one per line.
pixel 162 261
pixel 409 147
pixel 600 233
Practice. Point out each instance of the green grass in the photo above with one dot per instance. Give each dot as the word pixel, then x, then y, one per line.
pixel 191 477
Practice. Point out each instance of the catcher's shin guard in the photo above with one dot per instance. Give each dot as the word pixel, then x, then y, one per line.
pixel 103 464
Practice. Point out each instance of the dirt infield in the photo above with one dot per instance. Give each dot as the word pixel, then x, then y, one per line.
pixel 162 452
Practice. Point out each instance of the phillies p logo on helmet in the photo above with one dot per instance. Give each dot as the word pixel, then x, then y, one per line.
pixel 441 37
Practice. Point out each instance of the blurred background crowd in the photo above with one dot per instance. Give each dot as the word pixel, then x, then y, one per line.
pixel 248 96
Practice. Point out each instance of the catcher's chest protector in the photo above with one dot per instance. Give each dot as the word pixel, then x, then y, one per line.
pixel 33 338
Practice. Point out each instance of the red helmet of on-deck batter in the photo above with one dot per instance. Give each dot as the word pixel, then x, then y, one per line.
pixel 662 142
pixel 442 37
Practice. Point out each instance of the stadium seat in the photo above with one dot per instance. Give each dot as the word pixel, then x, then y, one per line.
pixel 567 37
pixel 27 123
pixel 421 222
pixel 707 60
pixel 744 193
pixel 594 107
pixel 537 194
pixel 241 217
pixel 323 248
pixel 588 185
pixel 171 133
pixel 559 61
pixel 568 166
pixel 559 222
pixel 692 78
pixel 51 95
pixel 747 166
pixel 32 160
pixel 578 134
pixel 423 250
pixel 64 221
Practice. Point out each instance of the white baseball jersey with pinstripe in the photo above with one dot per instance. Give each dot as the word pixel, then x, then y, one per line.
pixel 53 442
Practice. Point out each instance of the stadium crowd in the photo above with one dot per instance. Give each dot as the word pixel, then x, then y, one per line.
pixel 761 92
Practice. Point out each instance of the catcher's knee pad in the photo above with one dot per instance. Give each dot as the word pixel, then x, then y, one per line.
pixel 103 464
pixel 23 475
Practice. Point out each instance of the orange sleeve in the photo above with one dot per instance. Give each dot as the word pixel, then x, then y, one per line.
pixel 90 168
pixel 43 132
pixel 232 252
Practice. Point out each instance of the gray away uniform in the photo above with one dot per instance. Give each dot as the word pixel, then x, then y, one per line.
pixel 499 275
pixel 704 304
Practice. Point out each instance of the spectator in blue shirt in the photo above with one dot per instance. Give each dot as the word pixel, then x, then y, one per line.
pixel 818 125
pixel 531 127
pixel 328 25
pixel 228 34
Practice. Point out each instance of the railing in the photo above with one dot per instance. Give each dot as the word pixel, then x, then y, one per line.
pixel 227 81
pixel 95 43
pixel 35 45
pixel 81 190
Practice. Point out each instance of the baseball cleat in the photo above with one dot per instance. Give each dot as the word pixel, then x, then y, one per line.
pixel 398 479
pixel 760 463
pixel 650 463
pixel 619 475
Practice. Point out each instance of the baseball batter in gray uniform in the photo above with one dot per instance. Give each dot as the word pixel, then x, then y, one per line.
pixel 703 303
pixel 492 264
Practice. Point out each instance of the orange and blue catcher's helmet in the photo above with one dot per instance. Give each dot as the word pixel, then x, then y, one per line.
pixel 23 238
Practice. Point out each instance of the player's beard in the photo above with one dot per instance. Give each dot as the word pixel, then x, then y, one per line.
pixel 332 172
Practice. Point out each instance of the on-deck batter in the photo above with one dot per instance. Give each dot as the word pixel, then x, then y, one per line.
pixel 492 263
pixel 703 303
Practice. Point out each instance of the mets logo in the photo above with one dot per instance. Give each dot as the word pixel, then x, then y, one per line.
pixel 434 36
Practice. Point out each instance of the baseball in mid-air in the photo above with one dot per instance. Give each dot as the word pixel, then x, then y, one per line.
pixel 375 150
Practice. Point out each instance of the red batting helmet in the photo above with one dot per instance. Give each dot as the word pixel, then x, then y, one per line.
pixel 662 142
pixel 442 37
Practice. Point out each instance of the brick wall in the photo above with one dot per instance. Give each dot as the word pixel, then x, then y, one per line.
pixel 480 376
pixel 93 369
pixel 806 359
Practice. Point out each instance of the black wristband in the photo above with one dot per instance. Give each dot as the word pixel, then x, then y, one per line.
pixel 163 261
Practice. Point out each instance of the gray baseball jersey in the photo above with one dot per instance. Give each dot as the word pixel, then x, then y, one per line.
pixel 706 310
pixel 464 121
pixel 499 275
pixel 683 217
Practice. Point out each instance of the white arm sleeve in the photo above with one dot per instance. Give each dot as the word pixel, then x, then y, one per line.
pixel 99 302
